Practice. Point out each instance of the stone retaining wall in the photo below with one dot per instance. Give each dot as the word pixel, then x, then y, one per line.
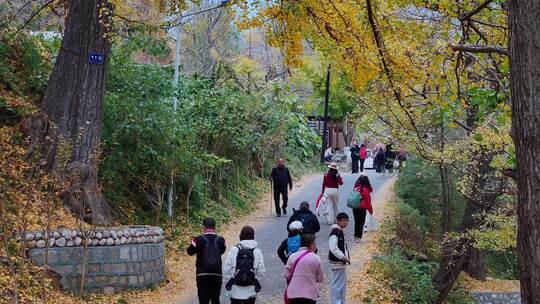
pixel 497 297
pixel 108 268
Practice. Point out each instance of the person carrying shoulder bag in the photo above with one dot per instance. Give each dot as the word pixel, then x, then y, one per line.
pixel 303 272
pixel 362 186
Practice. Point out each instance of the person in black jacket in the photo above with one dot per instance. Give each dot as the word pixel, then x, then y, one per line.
pixel 209 247
pixel 281 177
pixel 295 229
pixel 309 221
pixel 355 156
pixel 389 157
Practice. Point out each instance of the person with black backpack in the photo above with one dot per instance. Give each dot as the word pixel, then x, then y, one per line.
pixel 291 244
pixel 243 266
pixel 209 247
pixel 309 221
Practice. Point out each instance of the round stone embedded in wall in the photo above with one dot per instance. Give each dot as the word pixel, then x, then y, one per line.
pixel 112 263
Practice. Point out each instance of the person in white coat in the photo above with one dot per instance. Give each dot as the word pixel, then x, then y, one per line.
pixel 238 292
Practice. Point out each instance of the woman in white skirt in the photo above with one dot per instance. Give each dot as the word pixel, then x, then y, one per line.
pixel 330 186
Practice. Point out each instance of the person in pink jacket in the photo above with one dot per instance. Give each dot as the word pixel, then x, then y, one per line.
pixel 303 272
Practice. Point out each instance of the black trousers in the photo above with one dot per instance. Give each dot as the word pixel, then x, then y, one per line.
pixel 354 165
pixel 359 221
pixel 380 166
pixel 208 289
pixel 301 301
pixel 362 165
pixel 248 301
pixel 280 190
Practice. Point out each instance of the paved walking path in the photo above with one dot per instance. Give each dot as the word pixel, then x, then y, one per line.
pixel 271 230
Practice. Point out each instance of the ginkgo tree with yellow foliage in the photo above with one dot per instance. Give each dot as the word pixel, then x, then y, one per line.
pixel 431 73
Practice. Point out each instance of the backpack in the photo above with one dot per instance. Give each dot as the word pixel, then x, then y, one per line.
pixel 293 244
pixel 211 253
pixel 245 260
pixel 353 200
pixel 305 219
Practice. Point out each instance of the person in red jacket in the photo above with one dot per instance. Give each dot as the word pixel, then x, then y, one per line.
pixel 363 186
pixel 331 182
pixel 363 156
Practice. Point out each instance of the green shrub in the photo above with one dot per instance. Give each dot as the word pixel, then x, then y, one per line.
pixel 459 295
pixel 211 146
pixel 411 229
pixel 24 64
pixel 419 186
pixel 8 114
pixel 411 279
pixel 502 264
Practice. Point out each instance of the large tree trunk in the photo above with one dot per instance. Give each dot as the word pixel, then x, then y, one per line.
pixel 65 135
pixel 460 254
pixel 524 49
pixel 475 264
pixel 454 256
pixel 445 198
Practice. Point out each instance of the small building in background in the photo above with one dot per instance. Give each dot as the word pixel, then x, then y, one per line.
pixel 339 134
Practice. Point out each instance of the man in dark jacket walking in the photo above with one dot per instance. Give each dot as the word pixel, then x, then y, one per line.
pixel 281 178
pixel 355 156
pixel 309 221
pixel 209 247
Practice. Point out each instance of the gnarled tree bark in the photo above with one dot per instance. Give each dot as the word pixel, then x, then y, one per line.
pixel 524 48
pixel 64 136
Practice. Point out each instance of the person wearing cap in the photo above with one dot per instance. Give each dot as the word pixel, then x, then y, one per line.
pixel 304 272
pixel 307 218
pixel 295 231
pixel 331 182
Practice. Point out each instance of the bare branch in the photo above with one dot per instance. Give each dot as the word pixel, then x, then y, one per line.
pixel 457 122
pixel 34 14
pixel 475 11
pixel 479 49
pixel 510 173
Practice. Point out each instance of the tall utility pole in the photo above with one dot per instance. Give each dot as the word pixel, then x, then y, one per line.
pixel 178 26
pixel 325 122
pixel 178 37
pixel 178 29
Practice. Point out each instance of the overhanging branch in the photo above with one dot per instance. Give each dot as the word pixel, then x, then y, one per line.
pixel 475 11
pixel 469 48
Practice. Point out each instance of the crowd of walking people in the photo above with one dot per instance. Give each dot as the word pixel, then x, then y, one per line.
pixel 303 269
pixel 385 158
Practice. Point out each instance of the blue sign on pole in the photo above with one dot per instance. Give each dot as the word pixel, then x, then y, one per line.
pixel 96 58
